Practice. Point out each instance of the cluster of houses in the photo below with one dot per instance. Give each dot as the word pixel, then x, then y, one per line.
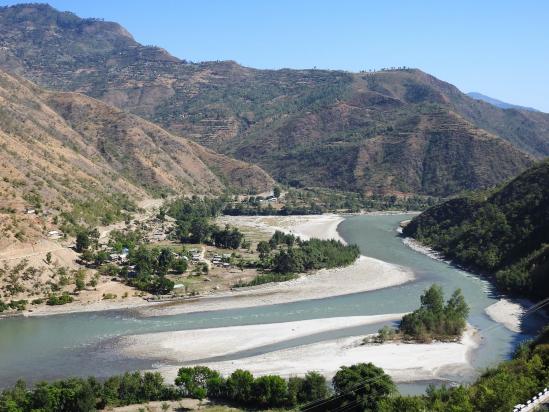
pixel 270 199
pixel 156 236
pixel 221 260
pixel 156 230
pixel 196 255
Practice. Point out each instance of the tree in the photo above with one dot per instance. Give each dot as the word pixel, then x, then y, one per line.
pixel 193 381
pixel 82 241
pixel 200 230
pixel 363 384
pixel 314 387
pixel 80 279
pixel 291 261
pixel 239 386
pixel 144 259
pixel 295 390
pixel 48 258
pixel 264 248
pixel 433 299
pixel 165 260
pixel 94 237
pixel 180 266
pixel 153 386
pixel 276 192
pixel 433 318
pixel 160 286
pixel 269 391
pixel 456 312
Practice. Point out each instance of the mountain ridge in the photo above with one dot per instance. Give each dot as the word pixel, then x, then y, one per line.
pixel 306 127
pixel 499 103
pixel 61 150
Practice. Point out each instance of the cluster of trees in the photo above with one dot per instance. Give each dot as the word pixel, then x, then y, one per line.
pixel 63 299
pixel 200 230
pixel 127 239
pixel 151 265
pixel 434 319
pixel 243 389
pixel 100 210
pixel 318 201
pixel 86 239
pixel 355 388
pixel 331 200
pixel 257 209
pixel 298 255
pixel 23 278
pixel 188 208
pixel 17 305
pixel 193 223
pixel 228 238
pixel 86 395
pixel 497 390
pixel 503 232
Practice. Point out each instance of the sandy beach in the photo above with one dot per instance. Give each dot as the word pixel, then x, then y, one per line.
pixel 405 362
pixel 364 275
pixel 507 313
pixel 191 345
pixel 305 226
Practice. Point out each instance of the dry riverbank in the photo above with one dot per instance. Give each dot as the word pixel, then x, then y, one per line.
pixel 405 362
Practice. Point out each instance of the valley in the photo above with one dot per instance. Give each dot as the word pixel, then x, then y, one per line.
pixel 188 235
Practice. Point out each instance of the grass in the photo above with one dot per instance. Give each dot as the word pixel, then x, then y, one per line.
pixel 266 278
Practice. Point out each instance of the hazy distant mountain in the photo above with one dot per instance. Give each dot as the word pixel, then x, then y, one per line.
pixel 499 103
pixel 388 131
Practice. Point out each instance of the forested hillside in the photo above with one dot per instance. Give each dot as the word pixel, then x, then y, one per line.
pixel 503 232
pixel 391 131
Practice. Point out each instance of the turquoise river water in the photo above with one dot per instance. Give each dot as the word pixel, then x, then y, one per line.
pixel 84 344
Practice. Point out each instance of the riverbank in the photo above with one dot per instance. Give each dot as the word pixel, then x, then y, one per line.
pixel 366 274
pixel 505 312
pixel 197 344
pixel 404 362
pixel 508 313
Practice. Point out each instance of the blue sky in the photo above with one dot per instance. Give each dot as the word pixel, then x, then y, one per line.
pixel 499 48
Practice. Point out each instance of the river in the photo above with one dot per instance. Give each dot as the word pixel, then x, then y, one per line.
pixel 84 344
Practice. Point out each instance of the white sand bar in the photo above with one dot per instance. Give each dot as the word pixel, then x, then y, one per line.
pixel 189 345
pixel 507 313
pixel 404 362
